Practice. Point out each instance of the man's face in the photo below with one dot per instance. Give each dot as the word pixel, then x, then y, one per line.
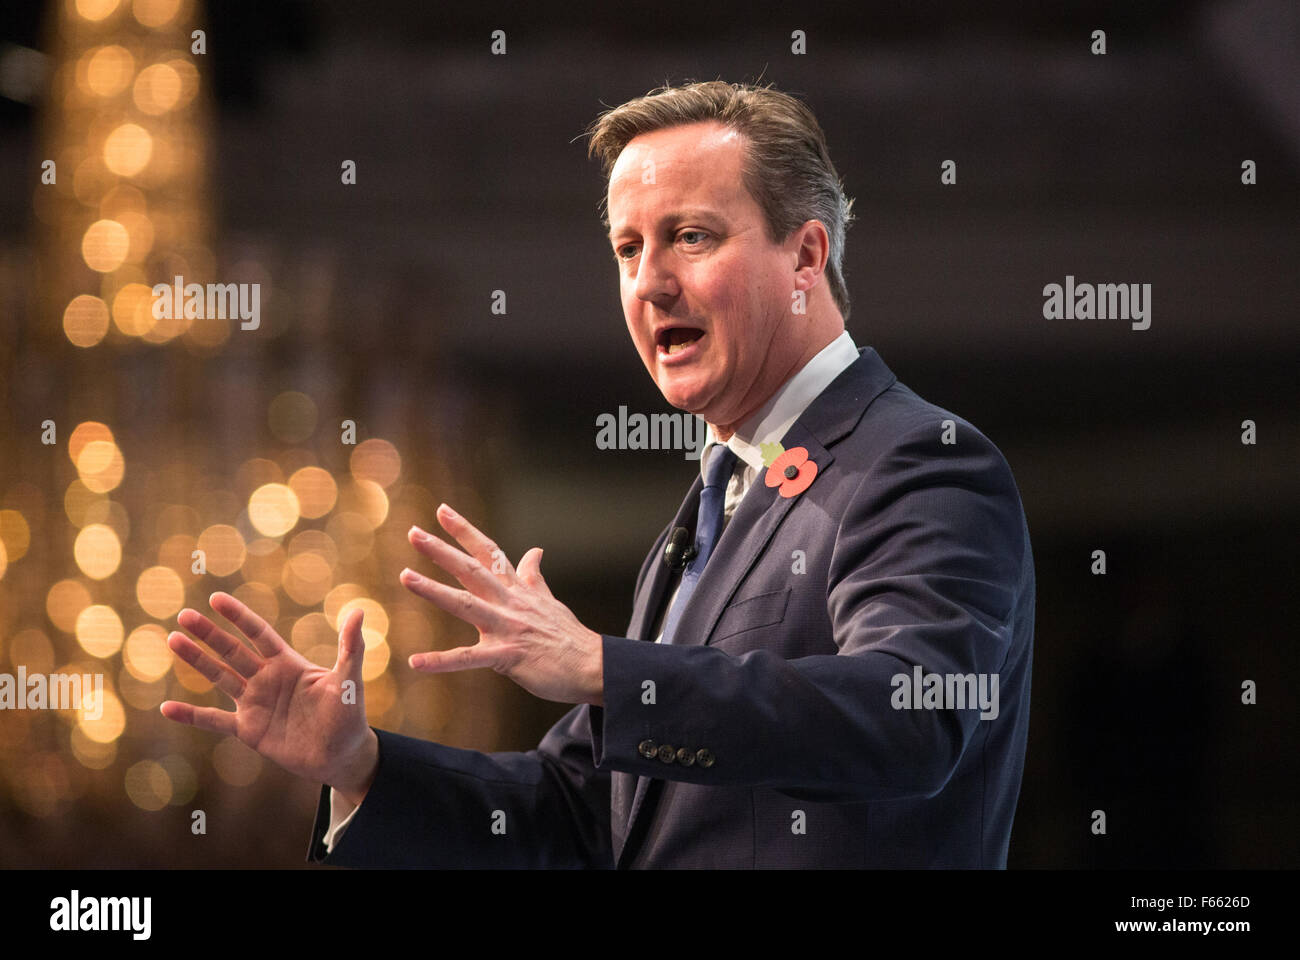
pixel 706 295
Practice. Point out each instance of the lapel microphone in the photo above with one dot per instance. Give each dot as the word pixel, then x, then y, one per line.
pixel 680 550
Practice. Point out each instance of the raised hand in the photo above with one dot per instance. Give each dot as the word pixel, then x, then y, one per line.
pixel 303 717
pixel 524 632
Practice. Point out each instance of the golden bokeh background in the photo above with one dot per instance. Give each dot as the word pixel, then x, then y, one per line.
pixel 178 457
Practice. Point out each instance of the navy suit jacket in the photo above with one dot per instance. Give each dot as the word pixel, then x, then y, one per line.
pixel 774 736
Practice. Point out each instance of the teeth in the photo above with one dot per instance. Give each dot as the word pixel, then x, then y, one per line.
pixel 679 338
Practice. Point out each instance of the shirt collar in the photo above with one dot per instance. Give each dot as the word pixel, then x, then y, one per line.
pixel 771 421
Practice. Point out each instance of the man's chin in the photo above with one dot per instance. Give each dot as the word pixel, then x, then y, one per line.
pixel 691 397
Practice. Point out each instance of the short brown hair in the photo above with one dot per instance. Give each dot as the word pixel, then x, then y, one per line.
pixel 787 168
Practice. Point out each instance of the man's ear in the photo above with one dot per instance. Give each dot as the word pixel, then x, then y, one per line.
pixel 810 245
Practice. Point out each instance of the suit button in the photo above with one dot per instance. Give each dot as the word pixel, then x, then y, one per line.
pixel 685 757
pixel 667 753
pixel 704 757
pixel 648 749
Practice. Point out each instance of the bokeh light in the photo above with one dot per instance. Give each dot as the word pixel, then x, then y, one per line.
pixel 141 232
pixel 15 535
pixel 312 631
pixel 99 630
pixel 105 724
pixel 155 13
pixel 255 472
pixel 336 598
pixel 160 592
pixel 32 649
pixel 95 10
pixel 223 548
pixel 85 320
pixel 133 309
pixel 107 70
pixel 367 499
pixel 189 75
pixel 64 603
pixel 104 245
pixel 111 514
pixel 90 753
pixel 316 491
pixel 101 467
pixel 273 509
pixel 97 551
pixel 127 150
pixel 88 431
pixel 148 785
pixel 177 552
pixel 260 598
pixel 375 660
pixel 77 501
pixel 157 89
pixel 378 461
pixel 146 654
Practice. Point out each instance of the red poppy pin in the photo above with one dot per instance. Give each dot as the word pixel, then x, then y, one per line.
pixel 791 470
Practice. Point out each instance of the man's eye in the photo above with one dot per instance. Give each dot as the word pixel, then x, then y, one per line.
pixel 621 252
pixel 689 233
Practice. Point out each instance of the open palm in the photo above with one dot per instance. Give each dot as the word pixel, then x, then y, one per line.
pixel 303 717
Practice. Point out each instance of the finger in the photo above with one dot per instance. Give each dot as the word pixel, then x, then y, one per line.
pixel 449 661
pixel 222 677
pixel 472 574
pixel 265 640
pixel 243 660
pixel 205 718
pixel 482 548
pixel 459 603
pixel 352 646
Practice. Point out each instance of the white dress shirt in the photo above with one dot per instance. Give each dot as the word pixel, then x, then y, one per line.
pixel 768 425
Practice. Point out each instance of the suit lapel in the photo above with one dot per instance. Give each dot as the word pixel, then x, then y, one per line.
pixel 758 515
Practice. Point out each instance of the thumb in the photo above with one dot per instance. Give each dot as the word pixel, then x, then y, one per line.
pixel 530 569
pixel 352 646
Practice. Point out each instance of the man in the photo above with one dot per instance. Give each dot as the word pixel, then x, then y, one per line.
pixel 832 667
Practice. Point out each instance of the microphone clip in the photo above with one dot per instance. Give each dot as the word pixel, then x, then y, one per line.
pixel 680 549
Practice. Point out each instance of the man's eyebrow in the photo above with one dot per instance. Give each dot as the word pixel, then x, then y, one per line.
pixel 677 216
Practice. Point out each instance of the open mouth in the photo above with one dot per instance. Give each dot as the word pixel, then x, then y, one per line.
pixel 675 340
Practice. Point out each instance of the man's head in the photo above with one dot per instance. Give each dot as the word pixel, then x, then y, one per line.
pixel 727 222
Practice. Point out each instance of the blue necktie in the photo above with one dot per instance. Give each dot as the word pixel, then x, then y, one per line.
pixel 708 528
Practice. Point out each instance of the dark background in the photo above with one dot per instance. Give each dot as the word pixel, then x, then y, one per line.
pixel 1117 168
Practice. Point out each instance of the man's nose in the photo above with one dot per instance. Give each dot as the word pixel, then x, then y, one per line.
pixel 655 280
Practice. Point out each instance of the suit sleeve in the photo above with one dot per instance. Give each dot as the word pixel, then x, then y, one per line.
pixel 437 806
pixel 926 569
